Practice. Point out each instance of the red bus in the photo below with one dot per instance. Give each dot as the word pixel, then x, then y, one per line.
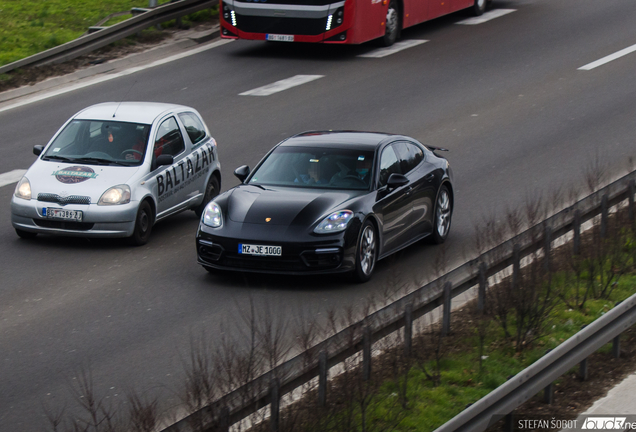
pixel 332 21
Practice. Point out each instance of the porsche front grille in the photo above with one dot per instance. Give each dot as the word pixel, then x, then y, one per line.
pixel 72 199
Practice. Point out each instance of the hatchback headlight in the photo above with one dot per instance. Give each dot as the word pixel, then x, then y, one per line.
pixel 212 215
pixel 335 222
pixel 23 189
pixel 116 195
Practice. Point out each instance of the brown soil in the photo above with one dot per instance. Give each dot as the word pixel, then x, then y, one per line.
pixel 135 44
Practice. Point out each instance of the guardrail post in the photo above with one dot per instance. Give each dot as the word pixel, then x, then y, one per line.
pixel 481 296
pixel 548 394
pixel 604 215
pixel 509 422
pixel 576 230
pixel 446 309
pixel 631 191
pixel 408 329
pixel 274 418
pixel 516 266
pixel 366 353
pixel 616 346
pixel 583 371
pixel 547 248
pixel 322 378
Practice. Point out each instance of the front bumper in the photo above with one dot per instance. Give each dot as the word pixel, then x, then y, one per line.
pixel 305 254
pixel 97 221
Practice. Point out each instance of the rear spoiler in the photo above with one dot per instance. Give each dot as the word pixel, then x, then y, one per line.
pixel 433 148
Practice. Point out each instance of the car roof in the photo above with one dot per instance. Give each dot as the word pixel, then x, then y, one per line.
pixel 133 112
pixel 354 139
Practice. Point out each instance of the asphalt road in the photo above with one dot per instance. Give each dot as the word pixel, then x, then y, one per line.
pixel 506 97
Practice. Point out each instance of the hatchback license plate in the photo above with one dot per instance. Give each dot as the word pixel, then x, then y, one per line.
pixel 279 37
pixel 250 249
pixel 56 213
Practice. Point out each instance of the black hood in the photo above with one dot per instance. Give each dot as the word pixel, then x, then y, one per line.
pixel 284 206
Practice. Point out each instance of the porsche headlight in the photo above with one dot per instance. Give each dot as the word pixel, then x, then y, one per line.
pixel 335 222
pixel 116 195
pixel 23 189
pixel 212 216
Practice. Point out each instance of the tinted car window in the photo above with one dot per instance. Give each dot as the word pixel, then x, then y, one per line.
pixel 410 155
pixel 316 167
pixel 389 164
pixel 194 127
pixel 169 140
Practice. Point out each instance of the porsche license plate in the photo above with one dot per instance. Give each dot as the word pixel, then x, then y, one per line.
pixel 279 37
pixel 261 250
pixel 57 213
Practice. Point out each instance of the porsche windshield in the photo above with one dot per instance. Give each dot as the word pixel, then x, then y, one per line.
pixel 315 167
pixel 100 142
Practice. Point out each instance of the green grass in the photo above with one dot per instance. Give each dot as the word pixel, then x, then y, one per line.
pixel 31 26
pixel 461 381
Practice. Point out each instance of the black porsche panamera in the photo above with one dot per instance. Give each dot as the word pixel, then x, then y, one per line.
pixel 328 202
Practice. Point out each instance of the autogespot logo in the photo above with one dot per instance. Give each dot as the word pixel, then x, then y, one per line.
pixel 604 423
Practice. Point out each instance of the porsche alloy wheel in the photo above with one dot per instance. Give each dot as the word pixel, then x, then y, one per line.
pixel 443 214
pixel 366 253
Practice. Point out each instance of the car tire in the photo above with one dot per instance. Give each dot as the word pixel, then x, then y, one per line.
pixel 143 225
pixel 211 190
pixel 479 7
pixel 391 25
pixel 27 235
pixel 442 216
pixel 366 253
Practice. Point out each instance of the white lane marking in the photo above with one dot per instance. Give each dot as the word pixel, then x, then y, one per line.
pixel 104 78
pixel 609 58
pixel 11 177
pixel 397 47
pixel 490 15
pixel 281 85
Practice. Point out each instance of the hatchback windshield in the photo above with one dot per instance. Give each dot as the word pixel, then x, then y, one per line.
pixel 100 142
pixel 316 167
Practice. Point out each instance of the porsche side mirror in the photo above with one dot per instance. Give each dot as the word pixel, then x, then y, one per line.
pixel 396 180
pixel 37 150
pixel 242 172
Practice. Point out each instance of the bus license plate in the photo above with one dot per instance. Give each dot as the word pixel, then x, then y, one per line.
pixel 56 213
pixel 279 38
pixel 250 249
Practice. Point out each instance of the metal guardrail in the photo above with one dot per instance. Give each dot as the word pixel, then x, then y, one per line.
pixel 527 383
pixel 108 35
pixel 271 386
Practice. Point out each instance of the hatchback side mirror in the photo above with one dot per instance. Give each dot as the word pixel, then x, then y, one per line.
pixel 165 160
pixel 37 150
pixel 242 172
pixel 396 180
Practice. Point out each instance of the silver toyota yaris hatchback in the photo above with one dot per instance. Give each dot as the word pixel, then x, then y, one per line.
pixel 114 169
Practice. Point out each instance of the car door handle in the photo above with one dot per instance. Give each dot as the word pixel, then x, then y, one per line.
pixel 408 191
pixel 429 177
